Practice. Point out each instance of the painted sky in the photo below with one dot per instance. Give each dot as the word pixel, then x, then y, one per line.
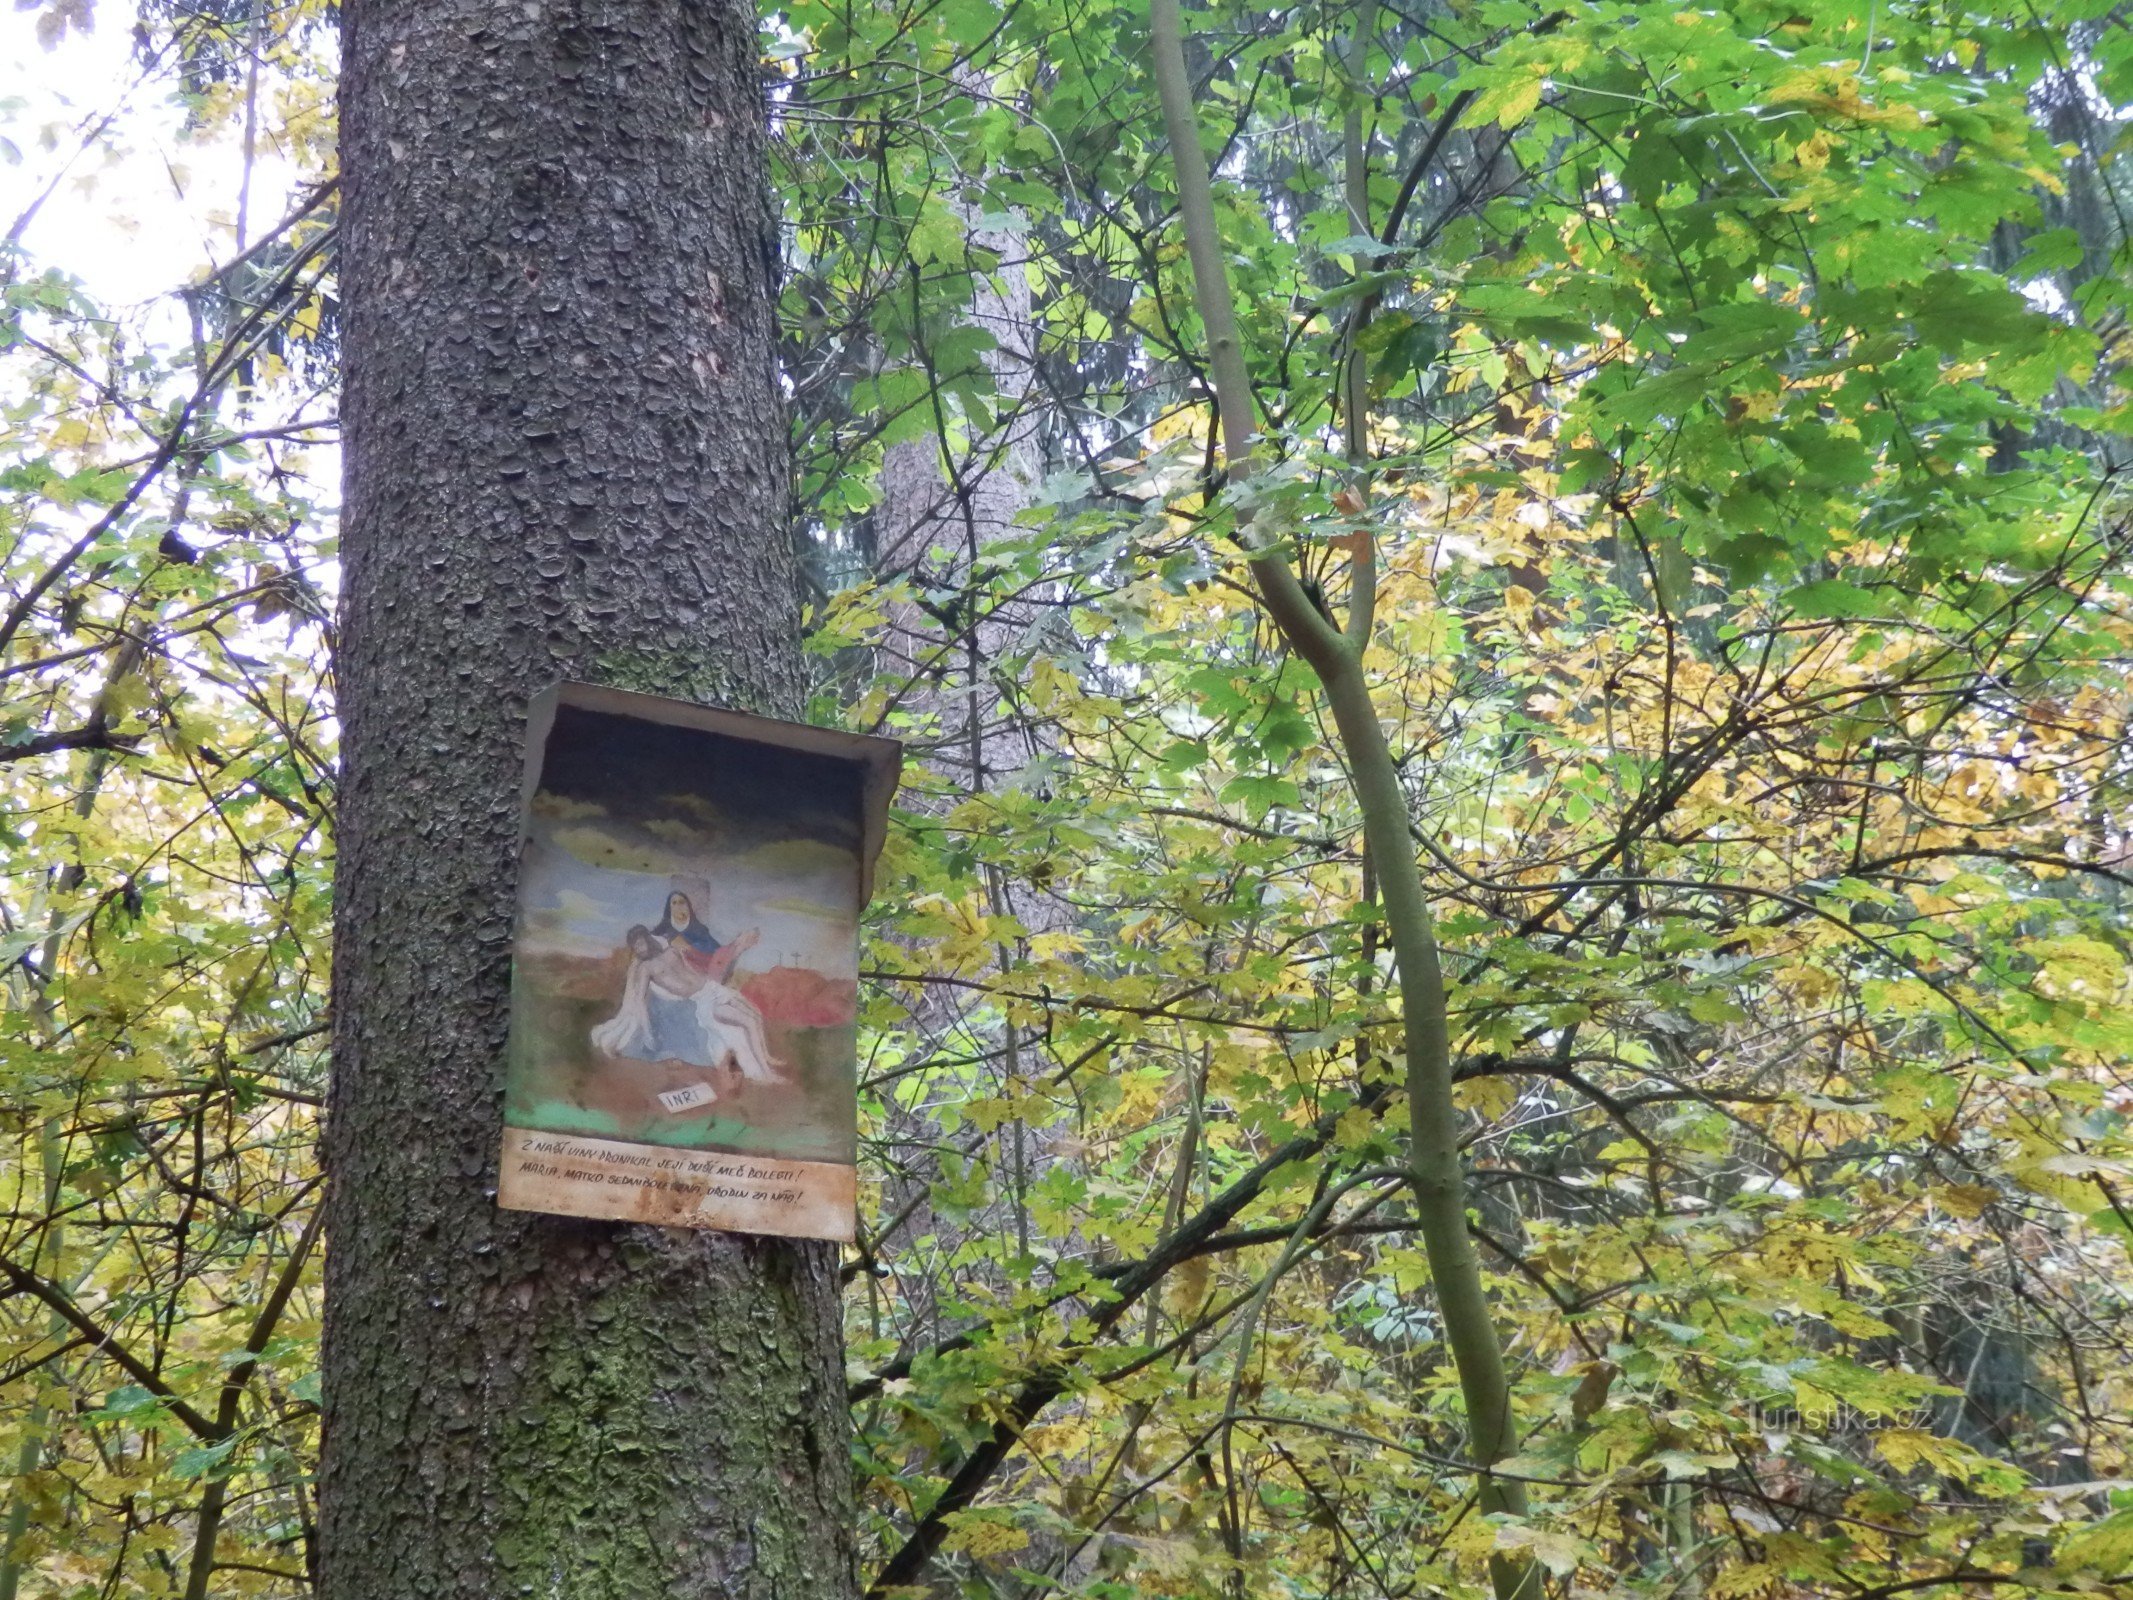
pixel 757 837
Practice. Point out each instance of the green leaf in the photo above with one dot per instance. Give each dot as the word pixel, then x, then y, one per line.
pixel 1506 102
pixel 205 1461
pixel 1833 597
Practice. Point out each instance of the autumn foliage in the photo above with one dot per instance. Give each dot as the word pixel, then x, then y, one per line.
pixel 1728 406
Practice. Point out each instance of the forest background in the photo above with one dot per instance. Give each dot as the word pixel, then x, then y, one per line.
pixel 1707 426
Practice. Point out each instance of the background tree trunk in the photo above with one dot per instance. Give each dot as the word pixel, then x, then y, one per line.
pixel 565 456
pixel 940 512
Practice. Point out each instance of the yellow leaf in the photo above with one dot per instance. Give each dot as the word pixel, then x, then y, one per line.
pixel 1905 1448
pixel 1964 1199
pixel 1742 1583
pixel 1559 1552
pixel 979 1533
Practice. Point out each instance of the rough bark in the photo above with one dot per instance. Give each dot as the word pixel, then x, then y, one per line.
pixel 565 456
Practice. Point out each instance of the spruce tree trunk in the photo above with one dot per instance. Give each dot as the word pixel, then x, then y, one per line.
pixel 565 456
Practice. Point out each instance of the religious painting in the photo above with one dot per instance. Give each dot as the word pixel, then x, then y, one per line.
pixel 685 984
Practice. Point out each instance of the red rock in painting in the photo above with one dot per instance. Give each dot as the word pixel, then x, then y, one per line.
pixel 794 997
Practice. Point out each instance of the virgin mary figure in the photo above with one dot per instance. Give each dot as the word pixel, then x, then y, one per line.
pixel 680 1029
pixel 699 949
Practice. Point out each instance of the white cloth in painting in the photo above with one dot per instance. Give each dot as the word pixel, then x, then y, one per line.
pixel 672 1012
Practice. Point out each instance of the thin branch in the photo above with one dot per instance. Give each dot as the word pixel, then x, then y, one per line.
pixel 107 1345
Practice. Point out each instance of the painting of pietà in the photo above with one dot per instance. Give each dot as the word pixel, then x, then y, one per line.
pixel 685 971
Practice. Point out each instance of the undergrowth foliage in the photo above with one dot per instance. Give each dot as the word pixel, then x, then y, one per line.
pixel 1788 1000
pixel 1729 404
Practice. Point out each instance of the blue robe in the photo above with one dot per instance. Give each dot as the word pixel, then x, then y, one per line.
pixel 676 1032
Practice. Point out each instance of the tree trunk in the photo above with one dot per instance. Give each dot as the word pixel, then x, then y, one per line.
pixel 565 456
pixel 939 515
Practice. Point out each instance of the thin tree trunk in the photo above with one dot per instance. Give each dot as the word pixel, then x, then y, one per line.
pixel 565 456
pixel 1335 653
pixel 941 512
